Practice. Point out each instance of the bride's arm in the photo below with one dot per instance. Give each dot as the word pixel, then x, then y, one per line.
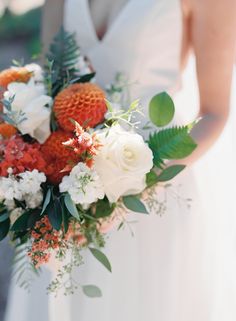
pixel 213 39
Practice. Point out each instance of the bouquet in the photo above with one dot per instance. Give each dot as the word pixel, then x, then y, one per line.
pixel 73 164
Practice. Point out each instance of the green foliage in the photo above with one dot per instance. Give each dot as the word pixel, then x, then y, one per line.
pixel 104 208
pixel 101 257
pixel 151 178
pixel 70 205
pixel 134 204
pixel 170 172
pixel 26 221
pixel 91 291
pixel 161 109
pixel 4 228
pixel 62 57
pixel 171 143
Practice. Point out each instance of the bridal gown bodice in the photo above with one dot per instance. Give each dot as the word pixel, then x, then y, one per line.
pixel 143 41
pixel 176 267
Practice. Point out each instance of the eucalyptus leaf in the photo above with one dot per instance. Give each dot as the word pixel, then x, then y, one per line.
pixel 170 172
pixel 4 229
pixel 4 216
pixel 46 200
pixel 134 204
pixel 161 109
pixel 101 257
pixel 54 212
pixel 21 224
pixel 70 205
pixel 92 291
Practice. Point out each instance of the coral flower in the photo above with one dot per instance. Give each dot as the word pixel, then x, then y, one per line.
pixel 14 75
pixel 7 130
pixel 84 103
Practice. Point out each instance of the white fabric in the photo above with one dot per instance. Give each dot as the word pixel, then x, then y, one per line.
pixel 179 266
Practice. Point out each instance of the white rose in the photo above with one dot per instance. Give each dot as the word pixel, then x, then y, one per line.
pixel 36 70
pixel 31 100
pixel 123 162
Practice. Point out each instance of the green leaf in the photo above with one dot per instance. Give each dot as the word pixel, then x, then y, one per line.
pixel 92 291
pixel 26 220
pixel 4 229
pixel 83 79
pixel 170 172
pixel 70 205
pixel 65 218
pixel 134 204
pixel 104 208
pixel 161 109
pixel 151 179
pixel 4 216
pixel 101 257
pixel 21 224
pixel 54 212
pixel 46 200
pixel 171 143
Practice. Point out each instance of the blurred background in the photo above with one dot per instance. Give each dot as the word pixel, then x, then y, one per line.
pixel 19 39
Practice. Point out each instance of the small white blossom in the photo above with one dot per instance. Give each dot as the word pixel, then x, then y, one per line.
pixel 83 184
pixel 23 187
pixel 33 200
pixel 9 189
pixel 30 182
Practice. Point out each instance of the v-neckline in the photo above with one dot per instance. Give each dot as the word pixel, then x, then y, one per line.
pixel 113 25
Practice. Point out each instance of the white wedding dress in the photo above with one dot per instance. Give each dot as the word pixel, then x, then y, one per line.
pixel 177 267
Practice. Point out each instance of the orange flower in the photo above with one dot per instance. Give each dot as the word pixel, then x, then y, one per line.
pixel 14 75
pixel 7 130
pixel 57 155
pixel 84 103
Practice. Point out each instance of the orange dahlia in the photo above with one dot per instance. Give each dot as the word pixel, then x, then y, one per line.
pixel 7 130
pixel 57 155
pixel 14 75
pixel 84 103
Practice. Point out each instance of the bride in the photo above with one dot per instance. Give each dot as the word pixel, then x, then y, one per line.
pixel 179 266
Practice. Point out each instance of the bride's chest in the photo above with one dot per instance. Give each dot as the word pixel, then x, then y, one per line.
pixel 149 23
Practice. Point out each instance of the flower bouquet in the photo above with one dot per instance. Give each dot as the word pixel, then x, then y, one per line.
pixel 72 162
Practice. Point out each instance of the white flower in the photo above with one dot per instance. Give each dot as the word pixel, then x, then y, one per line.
pixel 30 182
pixel 9 189
pixel 23 187
pixel 123 162
pixel 37 72
pixel 33 200
pixel 83 184
pixel 30 100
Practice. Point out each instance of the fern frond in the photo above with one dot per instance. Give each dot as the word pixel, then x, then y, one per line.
pixel 24 273
pixel 62 59
pixel 171 143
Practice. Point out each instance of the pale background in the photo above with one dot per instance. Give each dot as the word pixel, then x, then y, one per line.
pixel 19 38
